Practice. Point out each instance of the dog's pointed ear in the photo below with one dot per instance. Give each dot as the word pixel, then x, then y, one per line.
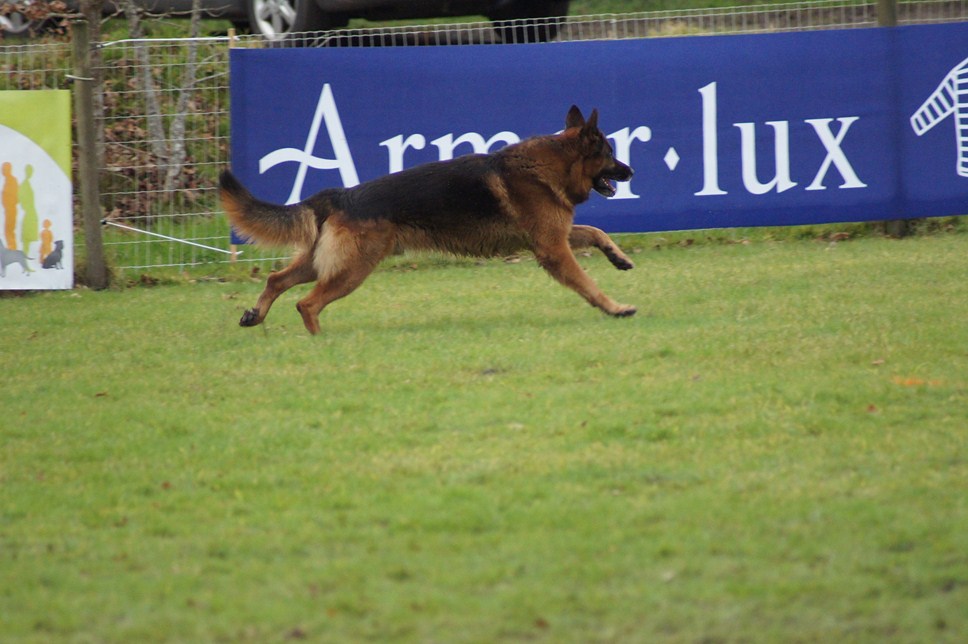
pixel 592 123
pixel 574 118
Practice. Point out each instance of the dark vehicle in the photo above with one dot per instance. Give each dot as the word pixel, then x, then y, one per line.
pixel 275 19
pixel 19 19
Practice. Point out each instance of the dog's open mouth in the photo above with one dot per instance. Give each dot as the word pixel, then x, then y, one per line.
pixel 604 186
pixel 603 182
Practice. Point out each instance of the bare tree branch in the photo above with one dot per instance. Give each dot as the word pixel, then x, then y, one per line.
pixel 177 151
pixel 170 151
pixel 156 128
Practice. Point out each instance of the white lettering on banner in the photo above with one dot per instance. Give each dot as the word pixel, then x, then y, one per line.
pixel 623 144
pixel 834 154
pixel 710 144
pixel 325 111
pixel 781 181
pixel 781 157
pixel 447 143
pixel 397 146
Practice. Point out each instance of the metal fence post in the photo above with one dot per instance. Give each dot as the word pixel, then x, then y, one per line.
pixel 87 164
pixel 233 248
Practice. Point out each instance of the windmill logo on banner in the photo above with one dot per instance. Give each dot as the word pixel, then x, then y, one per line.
pixel 950 98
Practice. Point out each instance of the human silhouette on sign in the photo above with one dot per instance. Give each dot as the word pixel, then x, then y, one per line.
pixel 46 241
pixel 29 228
pixel 950 98
pixel 10 198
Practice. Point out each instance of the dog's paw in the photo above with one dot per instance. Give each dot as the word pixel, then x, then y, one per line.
pixel 250 318
pixel 623 311
pixel 621 262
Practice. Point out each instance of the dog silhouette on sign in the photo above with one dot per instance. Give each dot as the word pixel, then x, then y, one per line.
pixel 11 256
pixel 56 256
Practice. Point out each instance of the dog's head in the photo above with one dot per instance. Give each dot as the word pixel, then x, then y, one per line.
pixel 600 164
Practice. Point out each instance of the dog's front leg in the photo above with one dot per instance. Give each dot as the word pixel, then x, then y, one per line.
pixel 300 271
pixel 560 262
pixel 586 236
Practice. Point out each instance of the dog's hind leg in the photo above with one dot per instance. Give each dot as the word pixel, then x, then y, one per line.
pixel 345 258
pixel 586 236
pixel 300 271
pixel 560 262
pixel 338 285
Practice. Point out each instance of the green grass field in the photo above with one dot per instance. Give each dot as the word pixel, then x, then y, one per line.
pixel 774 450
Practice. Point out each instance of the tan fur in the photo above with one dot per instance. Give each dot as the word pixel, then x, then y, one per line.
pixel 260 225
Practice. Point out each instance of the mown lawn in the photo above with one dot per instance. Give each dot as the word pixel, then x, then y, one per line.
pixel 774 449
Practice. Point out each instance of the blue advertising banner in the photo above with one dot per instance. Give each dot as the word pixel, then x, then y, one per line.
pixel 776 129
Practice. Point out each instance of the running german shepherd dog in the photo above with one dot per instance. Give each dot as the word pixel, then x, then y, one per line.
pixel 521 197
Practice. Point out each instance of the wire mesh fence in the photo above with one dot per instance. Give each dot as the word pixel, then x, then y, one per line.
pixel 165 105
pixel 166 130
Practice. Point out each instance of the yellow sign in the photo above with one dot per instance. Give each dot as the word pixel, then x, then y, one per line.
pixel 36 214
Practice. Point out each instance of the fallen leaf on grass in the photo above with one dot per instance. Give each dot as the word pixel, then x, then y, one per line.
pixel 915 382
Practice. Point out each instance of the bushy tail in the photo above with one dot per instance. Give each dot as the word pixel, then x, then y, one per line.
pixel 264 222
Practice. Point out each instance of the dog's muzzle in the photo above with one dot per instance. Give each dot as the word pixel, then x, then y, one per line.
pixel 603 182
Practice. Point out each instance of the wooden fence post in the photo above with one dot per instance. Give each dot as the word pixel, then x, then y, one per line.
pixel 887 17
pixel 87 165
pixel 887 13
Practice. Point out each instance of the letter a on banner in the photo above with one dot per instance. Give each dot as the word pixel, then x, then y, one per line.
pixel 36 237
pixel 325 111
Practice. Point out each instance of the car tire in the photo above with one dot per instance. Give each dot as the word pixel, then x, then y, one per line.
pixel 276 20
pixel 532 20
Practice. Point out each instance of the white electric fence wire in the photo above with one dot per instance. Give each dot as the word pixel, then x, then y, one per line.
pixel 174 239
